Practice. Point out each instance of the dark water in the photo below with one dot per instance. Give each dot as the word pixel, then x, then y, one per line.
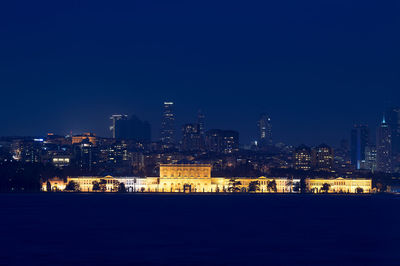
pixel 130 229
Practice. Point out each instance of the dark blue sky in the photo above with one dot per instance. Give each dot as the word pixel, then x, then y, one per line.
pixel 314 66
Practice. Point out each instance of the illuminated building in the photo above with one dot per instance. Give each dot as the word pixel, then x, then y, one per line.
pixel 197 178
pixel 51 138
pixel 133 184
pixel 283 185
pixel 322 157
pixel 185 177
pixel 116 153
pixel 370 159
pixel 302 158
pixel 168 125
pixel 91 137
pixel 339 185
pixel 359 140
pixel 384 148
pixel 191 137
pixel 61 161
pixel 191 178
pixel 27 150
pixel 56 184
pixel 265 130
pixel 86 183
pixel 222 141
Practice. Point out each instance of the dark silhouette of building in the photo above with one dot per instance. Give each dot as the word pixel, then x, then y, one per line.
pixel 359 140
pixel 85 156
pixel 265 130
pixel 192 139
pixel 384 148
pixel 222 141
pixel 201 121
pixel 168 125
pixel 132 128
pixel 393 120
pixel 115 119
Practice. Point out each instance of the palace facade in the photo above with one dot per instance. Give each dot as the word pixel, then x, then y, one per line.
pixel 339 185
pixel 191 178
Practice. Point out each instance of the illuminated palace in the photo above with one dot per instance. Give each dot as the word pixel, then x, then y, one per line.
pixel 191 178
pixel 340 185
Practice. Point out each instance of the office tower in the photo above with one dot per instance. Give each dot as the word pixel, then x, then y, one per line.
pixel 359 140
pixel 192 139
pixel 132 128
pixel 115 119
pixel 370 159
pixel 322 157
pixel 85 155
pixel 393 120
pixel 118 154
pixel 201 122
pixel 384 148
pixel 265 130
pixel 168 125
pixel 302 158
pixel 222 141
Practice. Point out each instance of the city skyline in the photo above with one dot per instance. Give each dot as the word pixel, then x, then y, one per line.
pixel 156 128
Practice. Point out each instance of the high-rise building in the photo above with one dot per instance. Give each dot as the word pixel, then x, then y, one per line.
pixel 370 159
pixel 222 141
pixel 359 140
pixel 132 128
pixel 384 148
pixel 201 122
pixel 192 139
pixel 168 125
pixel 115 119
pixel 393 120
pixel 322 157
pixel 302 158
pixel 265 130
pixel 85 155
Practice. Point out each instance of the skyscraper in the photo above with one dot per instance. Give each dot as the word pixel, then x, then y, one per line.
pixel 130 128
pixel 393 120
pixel 201 121
pixel 384 148
pixel 115 119
pixel 265 130
pixel 168 125
pixel 359 140
pixel 302 158
pixel 192 139
pixel 222 141
pixel 370 159
pixel 322 157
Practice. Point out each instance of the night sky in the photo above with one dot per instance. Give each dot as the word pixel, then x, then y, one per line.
pixel 315 66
